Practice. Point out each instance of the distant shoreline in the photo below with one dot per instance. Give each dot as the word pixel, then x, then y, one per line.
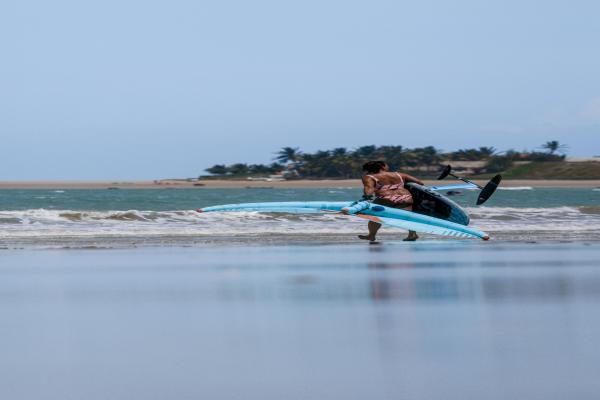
pixel 240 184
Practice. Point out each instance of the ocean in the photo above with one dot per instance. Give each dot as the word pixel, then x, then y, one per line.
pixel 126 218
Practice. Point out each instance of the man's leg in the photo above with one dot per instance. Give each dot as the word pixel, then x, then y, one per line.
pixel 373 228
pixel 412 235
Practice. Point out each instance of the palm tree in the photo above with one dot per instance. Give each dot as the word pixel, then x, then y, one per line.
pixel 341 162
pixel 366 152
pixel 392 155
pixel 238 169
pixel 554 146
pixel 486 152
pixel 472 154
pixel 288 154
pixel 339 152
pixel 275 168
pixel 259 169
pixel 426 155
pixel 218 169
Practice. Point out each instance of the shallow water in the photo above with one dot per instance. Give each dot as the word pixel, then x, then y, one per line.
pixel 130 218
pixel 437 319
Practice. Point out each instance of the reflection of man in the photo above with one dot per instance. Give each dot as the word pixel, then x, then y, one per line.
pixel 388 189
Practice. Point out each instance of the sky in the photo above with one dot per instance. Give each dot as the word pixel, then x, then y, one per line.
pixel 157 89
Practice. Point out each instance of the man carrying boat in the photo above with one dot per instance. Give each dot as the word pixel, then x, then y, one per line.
pixel 387 189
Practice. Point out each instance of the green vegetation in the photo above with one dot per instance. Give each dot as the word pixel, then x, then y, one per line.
pixel 342 163
pixel 554 146
pixel 288 154
pixel 240 169
pixel 555 170
pixel 498 164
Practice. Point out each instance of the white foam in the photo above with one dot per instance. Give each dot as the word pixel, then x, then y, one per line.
pixel 516 188
pixel 54 223
pixel 515 211
pixel 124 223
pixel 533 219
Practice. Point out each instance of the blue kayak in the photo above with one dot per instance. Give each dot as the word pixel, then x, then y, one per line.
pixel 403 219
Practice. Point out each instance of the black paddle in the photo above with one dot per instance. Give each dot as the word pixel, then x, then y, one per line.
pixel 486 191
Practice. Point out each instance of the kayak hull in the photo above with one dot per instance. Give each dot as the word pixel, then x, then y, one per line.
pixel 403 219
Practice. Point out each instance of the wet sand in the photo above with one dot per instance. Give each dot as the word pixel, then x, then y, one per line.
pixel 237 184
pixel 396 321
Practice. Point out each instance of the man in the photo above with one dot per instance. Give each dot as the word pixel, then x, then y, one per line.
pixel 388 189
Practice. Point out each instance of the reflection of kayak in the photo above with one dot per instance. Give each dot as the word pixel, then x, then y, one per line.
pixel 403 219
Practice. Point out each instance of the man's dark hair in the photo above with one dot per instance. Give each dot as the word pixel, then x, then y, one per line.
pixel 373 167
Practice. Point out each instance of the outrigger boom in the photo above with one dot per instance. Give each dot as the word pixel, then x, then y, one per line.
pixel 486 191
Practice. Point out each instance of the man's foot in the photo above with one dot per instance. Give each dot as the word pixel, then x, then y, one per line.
pixel 412 236
pixel 367 237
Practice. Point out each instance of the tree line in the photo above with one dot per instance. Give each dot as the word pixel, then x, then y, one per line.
pixel 344 163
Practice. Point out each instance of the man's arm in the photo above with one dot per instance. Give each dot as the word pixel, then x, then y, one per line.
pixel 369 186
pixel 369 192
pixel 409 178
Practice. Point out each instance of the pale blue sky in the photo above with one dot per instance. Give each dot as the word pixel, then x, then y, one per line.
pixel 149 89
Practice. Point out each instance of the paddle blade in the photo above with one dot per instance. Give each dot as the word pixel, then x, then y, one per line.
pixel 489 189
pixel 447 169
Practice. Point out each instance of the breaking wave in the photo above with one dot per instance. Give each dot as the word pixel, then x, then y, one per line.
pixel 42 223
pixel 48 223
pixel 516 188
pixel 500 219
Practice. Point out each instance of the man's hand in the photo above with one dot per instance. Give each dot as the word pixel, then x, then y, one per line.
pixel 355 207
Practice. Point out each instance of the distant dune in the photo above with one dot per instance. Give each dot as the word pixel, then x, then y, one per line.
pixel 555 170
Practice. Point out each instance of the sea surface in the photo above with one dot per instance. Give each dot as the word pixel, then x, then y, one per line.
pixel 128 218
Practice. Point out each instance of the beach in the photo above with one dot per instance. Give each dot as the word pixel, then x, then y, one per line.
pixel 427 320
pixel 236 184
